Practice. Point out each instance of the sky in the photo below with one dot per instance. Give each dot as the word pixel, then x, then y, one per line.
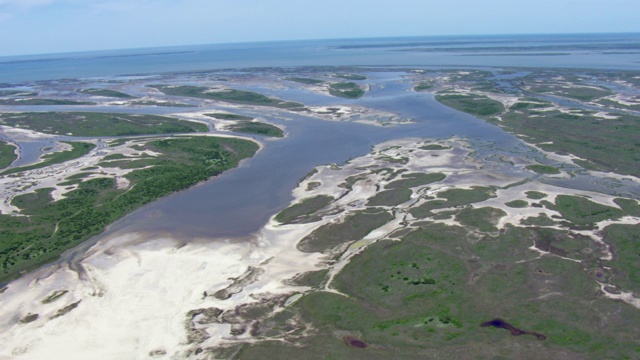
pixel 54 26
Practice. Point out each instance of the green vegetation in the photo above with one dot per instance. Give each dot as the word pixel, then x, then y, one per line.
pixel 54 296
pixel 625 243
pixel 403 295
pixel 81 175
pixel 43 102
pixel 306 81
pixel 426 295
pixel 483 219
pixel 352 180
pixel 425 85
pixel 347 90
pixel 310 278
pixel 609 145
pixel 65 310
pixel 354 227
pixel 540 220
pixel 51 227
pixel 113 157
pixel 586 164
pixel 434 147
pixel 393 160
pixel 393 197
pixel 583 93
pixel 478 105
pixel 606 144
pixel 521 105
pixel 631 207
pixel 350 76
pixel 312 185
pixel 415 179
pixel 582 211
pixel 543 169
pixel 256 127
pixel 304 210
pixel 29 318
pixel 99 124
pixel 78 149
pixel 106 93
pixel 518 204
pixel 228 95
pixel 635 105
pixel 7 154
pixel 227 116
pixel 453 198
pixel 535 195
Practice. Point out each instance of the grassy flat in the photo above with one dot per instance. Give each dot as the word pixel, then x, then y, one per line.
pixel 543 169
pixel 303 210
pixel 356 226
pixel 391 197
pixel 426 296
pixel 477 105
pixel 229 95
pixel 583 93
pixel 453 198
pixel 415 179
pixel 425 85
pixel 347 90
pixel 227 116
pixel 582 211
pixel 535 195
pixel 105 93
pixel 350 76
pixel 99 124
pixel 517 204
pixel 256 127
pixel 305 81
pixel 7 154
pixel 626 247
pixel 609 144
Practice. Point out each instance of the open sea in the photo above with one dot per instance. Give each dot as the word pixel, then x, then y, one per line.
pixel 595 51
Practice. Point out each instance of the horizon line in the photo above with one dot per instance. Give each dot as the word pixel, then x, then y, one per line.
pixel 309 39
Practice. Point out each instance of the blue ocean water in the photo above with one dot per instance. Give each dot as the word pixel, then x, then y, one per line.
pixel 596 51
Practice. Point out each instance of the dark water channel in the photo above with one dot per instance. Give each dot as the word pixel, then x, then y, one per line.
pixel 30 151
pixel 240 201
